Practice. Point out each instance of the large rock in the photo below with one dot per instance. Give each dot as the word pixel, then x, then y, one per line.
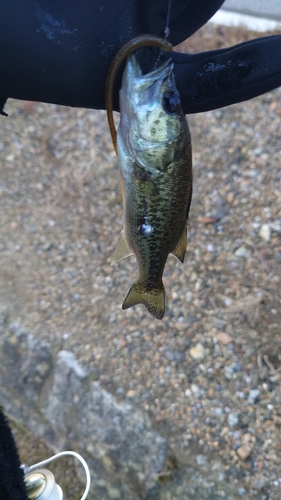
pixel 55 398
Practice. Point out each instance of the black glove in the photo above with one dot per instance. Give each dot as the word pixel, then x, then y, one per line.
pixel 59 51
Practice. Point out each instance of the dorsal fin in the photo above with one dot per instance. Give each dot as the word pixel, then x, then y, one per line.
pixel 122 249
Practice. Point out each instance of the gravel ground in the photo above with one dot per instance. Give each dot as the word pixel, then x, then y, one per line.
pixel 209 373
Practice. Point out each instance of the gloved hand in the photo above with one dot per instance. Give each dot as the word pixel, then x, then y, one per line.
pixel 59 51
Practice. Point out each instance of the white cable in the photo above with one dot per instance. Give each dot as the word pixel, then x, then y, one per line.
pixel 61 454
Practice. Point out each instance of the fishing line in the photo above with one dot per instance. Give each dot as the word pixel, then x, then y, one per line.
pixel 166 31
pixel 167 27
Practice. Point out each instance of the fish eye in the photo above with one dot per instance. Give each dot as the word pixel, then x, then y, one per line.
pixel 171 102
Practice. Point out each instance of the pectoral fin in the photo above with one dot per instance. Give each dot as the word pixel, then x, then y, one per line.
pixel 180 248
pixel 122 250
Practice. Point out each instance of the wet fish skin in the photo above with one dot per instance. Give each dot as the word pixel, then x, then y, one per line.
pixel 154 152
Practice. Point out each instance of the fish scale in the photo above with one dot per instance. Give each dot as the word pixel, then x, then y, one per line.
pixel 166 215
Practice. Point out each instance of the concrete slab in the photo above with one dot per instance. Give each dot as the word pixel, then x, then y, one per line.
pixel 256 15
pixel 269 9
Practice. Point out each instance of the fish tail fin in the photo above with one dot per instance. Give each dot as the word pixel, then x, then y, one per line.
pixel 154 300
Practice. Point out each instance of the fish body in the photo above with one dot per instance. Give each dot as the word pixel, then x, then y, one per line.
pixel 154 153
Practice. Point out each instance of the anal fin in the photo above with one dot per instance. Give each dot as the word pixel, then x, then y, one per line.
pixel 122 250
pixel 180 248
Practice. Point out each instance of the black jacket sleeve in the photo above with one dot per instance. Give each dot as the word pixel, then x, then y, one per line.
pixel 59 51
pixel 11 476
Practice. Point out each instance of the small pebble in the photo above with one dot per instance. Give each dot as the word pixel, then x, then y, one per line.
pixel 201 459
pixel 210 247
pixel 241 491
pixel 224 338
pixel 260 482
pixel 228 372
pixel 243 452
pixel 195 390
pixel 198 351
pixel 233 419
pixel 189 297
pixel 265 232
pixel 230 197
pixel 131 394
pixel 241 252
pixel 254 395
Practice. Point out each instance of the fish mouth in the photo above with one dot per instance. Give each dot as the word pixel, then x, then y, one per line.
pixel 142 81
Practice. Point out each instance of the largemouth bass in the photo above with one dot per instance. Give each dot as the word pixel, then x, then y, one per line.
pixel 154 153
